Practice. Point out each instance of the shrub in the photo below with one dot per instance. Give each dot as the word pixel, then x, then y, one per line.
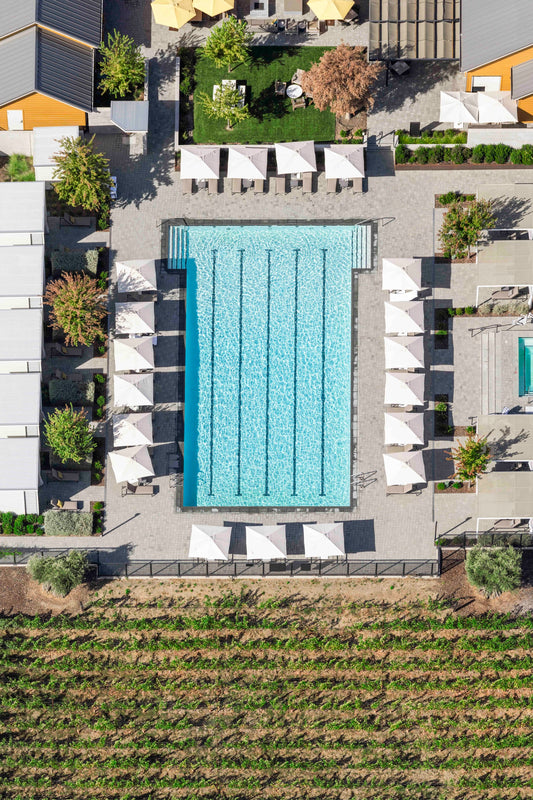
pixel 441 407
pixel 19 528
pixel 451 312
pixel 516 157
pixel 422 155
pixel 458 485
pixel 448 198
pixel 99 378
pixel 441 486
pixel 478 154
pixel 62 392
pixel 459 154
pixel 502 153
pixel 68 434
pixel 494 570
pixel 8 520
pixel 18 168
pixel 76 308
pixel 100 401
pixel 86 261
pixel 527 154
pixel 68 523
pixel 412 159
pixel 401 154
pixel 470 310
pixel 490 153
pixel 121 66
pixel 436 154
pixel 441 333
pixel 458 312
pixel 60 574
pixel 98 506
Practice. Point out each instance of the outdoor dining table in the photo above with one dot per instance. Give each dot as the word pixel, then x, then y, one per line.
pixel 294 90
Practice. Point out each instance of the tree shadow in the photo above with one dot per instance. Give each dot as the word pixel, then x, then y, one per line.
pixel 268 105
pixel 509 211
pixel 393 92
pixel 502 443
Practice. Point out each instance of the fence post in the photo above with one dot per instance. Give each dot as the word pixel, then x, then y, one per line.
pixel 126 568
pixel 151 573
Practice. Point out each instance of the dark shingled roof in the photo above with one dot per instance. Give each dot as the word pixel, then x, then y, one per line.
pixel 491 29
pixel 81 19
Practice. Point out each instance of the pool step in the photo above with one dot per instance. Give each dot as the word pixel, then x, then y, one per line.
pixel 491 377
pixel 178 248
pixel 362 243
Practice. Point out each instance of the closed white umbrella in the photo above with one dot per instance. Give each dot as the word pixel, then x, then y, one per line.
pixel 404 389
pixel 210 542
pixel 200 162
pixel 404 352
pixel 324 540
pixel 458 107
pixel 247 162
pixel 294 157
pixel 133 354
pixel 131 430
pixel 402 469
pixel 138 275
pixel 404 317
pixel 344 161
pixel 404 428
pixel 134 318
pixel 131 464
pixel 266 542
pixel 402 274
pixel 133 391
pixel 496 107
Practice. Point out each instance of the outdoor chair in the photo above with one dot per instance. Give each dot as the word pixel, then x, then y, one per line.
pixel 506 293
pixel 295 181
pixel 65 475
pixel 399 489
pixel 299 102
pixel 186 185
pixel 259 186
pixel 212 186
pixel 307 182
pixel 279 88
pixel 357 185
pixel 331 185
pixel 247 183
pixel 297 77
pixel 281 184
pixel 236 186
pixel 78 222
pixel 130 488
pixel 63 376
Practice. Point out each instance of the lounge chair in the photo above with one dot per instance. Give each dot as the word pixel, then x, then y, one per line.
pixel 507 524
pixel 259 187
pixel 65 475
pixel 357 185
pixel 281 184
pixel 399 489
pixel 236 186
pixel 506 293
pixel 331 185
pixel 146 489
pixel 186 185
pixel 307 182
pixel 212 186
pixel 75 377
pixel 64 505
pixel 63 350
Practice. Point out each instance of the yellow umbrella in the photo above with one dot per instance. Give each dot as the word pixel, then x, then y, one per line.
pixel 213 7
pixel 173 13
pixel 330 9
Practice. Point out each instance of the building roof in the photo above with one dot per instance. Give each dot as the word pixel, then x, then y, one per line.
pixel 522 80
pixel 19 463
pixel 131 116
pixel 20 398
pixel 36 60
pixel 22 271
pixel 490 31
pixel 505 263
pixel 46 144
pixel 22 207
pixel 79 19
pixel 414 29
pixel 21 335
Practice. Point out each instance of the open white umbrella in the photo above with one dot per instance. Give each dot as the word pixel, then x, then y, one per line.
pixel 402 275
pixel 401 469
pixel 324 540
pixel 266 542
pixel 404 428
pixel 131 430
pixel 404 389
pixel 138 275
pixel 404 352
pixel 133 391
pixel 404 318
pixel 495 107
pixel 458 107
pixel 292 157
pixel 131 464
pixel 247 162
pixel 199 161
pixel 344 161
pixel 132 355
pixel 210 542
pixel 134 318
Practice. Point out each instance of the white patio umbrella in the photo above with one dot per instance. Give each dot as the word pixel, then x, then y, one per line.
pixel 344 161
pixel 496 107
pixel 133 391
pixel 134 318
pixel 458 107
pixel 133 354
pixel 210 542
pixel 404 428
pixel 294 157
pixel 247 162
pixel 131 464
pixel 404 317
pixel 130 430
pixel 402 275
pixel 266 542
pixel 138 275
pixel 199 161
pixel 324 540
pixel 404 389
pixel 404 352
pixel 401 469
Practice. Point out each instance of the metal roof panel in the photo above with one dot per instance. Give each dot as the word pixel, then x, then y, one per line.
pixel 490 30
pixel 522 80
pixel 81 19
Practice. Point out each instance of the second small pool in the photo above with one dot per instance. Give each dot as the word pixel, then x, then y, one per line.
pixel 525 366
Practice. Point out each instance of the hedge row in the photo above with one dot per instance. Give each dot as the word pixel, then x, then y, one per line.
pixel 86 261
pixel 480 154
pixel 68 523
pixel 449 136
pixel 20 524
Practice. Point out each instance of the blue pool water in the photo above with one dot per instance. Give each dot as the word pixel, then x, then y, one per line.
pixel 268 362
pixel 525 366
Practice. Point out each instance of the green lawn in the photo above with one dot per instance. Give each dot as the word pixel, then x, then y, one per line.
pixel 273 119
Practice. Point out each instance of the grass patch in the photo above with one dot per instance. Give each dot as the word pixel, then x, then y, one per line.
pixel 273 119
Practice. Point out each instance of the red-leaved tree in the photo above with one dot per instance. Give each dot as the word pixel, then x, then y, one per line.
pixel 77 307
pixel 342 80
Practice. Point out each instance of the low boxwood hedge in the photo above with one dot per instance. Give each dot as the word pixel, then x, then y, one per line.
pixel 68 523
pixel 480 154
pixel 12 524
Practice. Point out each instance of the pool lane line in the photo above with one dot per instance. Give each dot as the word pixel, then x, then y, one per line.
pixel 267 394
pixel 212 420
pixel 295 373
pixel 239 392
pixel 323 388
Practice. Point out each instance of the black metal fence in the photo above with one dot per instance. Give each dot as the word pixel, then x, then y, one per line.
pixel 241 568
pixel 517 538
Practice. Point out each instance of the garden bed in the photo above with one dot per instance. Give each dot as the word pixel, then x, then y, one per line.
pixel 454 487
pixel 460 157
pixel 441 329
pixel 445 200
pixel 98 465
pixel 100 395
pixel 449 136
pixel 441 422
pixel 12 524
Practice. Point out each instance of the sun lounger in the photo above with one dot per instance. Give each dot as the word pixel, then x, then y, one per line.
pixel 145 489
pixel 399 489
pixel 236 186
pixel 357 185
pixel 307 182
pixel 331 185
pixel 281 184
pixel 75 377
pixel 186 186
pixel 212 186
pixel 259 187
pixel 65 475
pixel 65 351
pixel 64 505
pixel 507 524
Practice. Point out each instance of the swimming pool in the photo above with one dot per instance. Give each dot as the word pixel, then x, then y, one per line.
pixel 525 366
pixel 268 362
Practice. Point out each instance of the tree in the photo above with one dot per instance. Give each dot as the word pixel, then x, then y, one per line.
pixel 471 458
pixel 342 80
pixel 228 43
pixel 76 307
pixel 226 104
pixel 462 225
pixel 82 176
pixel 67 432
pixel 121 65
pixel 494 569
pixel 59 574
